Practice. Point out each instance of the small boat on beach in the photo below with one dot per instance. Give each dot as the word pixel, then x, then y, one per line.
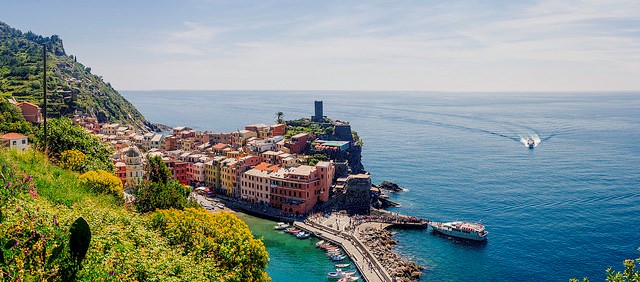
pixel 281 226
pixel 339 274
pixel 461 229
pixel 343 265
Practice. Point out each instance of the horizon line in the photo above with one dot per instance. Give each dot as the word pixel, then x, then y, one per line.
pixel 423 91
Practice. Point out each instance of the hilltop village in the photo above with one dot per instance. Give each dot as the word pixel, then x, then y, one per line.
pixel 317 167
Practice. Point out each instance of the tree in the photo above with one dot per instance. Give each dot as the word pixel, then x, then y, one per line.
pixel 151 196
pixel 630 273
pixel 63 135
pixel 157 170
pixel 160 191
pixel 279 116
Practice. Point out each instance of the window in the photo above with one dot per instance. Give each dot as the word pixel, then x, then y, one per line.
pixel 14 142
pixel 24 141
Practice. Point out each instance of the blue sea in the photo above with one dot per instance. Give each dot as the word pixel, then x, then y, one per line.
pixel 568 208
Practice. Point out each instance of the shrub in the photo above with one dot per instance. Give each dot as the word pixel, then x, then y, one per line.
pixel 73 160
pixel 103 182
pixel 63 135
pixel 151 196
pixel 220 236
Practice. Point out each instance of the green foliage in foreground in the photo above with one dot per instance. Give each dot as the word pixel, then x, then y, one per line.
pixel 103 182
pixel 222 237
pixel 161 191
pixel 630 273
pixel 63 135
pixel 36 217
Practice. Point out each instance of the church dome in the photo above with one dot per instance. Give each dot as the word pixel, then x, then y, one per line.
pixel 133 152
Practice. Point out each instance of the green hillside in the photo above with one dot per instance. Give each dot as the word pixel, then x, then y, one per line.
pixel 71 86
pixel 39 203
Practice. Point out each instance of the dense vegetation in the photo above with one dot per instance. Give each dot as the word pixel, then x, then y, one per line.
pixel 63 135
pixel 161 191
pixel 39 202
pixel 71 85
pixel 11 119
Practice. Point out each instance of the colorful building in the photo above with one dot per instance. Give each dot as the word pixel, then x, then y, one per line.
pixel 31 112
pixel 178 169
pixel 297 190
pixel 278 129
pixel 298 143
pixel 227 175
pixel 255 184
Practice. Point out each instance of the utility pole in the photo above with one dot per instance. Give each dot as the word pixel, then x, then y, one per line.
pixel 44 83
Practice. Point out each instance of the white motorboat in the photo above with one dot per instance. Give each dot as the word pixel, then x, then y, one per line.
pixel 340 274
pixel 281 226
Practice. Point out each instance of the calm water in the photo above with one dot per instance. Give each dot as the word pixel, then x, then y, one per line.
pixel 568 208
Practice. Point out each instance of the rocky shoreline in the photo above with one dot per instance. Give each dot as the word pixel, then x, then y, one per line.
pixel 380 243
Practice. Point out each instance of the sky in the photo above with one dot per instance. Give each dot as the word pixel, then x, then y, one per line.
pixel 477 46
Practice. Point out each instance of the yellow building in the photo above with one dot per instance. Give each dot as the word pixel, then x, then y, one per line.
pixel 228 175
pixel 213 173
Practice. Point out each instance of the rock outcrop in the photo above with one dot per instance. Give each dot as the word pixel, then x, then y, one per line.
pixel 380 243
pixel 390 186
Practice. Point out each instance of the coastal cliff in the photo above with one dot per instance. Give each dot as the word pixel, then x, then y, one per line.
pixel 72 88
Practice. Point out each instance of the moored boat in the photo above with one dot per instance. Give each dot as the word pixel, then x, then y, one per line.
pixel 320 243
pixel 338 257
pixel 294 231
pixel 349 278
pixel 303 235
pixel 281 226
pixel 461 229
pixel 339 274
pixel 343 265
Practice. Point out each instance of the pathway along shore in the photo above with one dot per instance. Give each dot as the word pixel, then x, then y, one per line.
pixel 367 243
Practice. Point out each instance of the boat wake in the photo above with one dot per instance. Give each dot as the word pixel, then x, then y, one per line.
pixel 531 141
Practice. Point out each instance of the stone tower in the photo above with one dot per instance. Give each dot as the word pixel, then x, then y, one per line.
pixel 318 117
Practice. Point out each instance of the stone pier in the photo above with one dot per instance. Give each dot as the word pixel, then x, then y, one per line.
pixel 367 264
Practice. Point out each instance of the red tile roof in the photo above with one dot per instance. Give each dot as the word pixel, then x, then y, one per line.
pixel 12 135
pixel 220 146
pixel 266 167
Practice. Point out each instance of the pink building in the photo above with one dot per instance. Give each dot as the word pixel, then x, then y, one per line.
pixel 294 190
pixel 195 173
pixel 255 184
pixel 31 112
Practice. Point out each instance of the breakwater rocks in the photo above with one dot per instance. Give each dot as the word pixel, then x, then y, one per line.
pixel 380 243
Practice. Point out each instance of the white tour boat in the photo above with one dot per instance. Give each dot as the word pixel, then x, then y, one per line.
pixel 461 229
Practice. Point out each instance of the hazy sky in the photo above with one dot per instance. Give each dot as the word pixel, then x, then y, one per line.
pixel 347 45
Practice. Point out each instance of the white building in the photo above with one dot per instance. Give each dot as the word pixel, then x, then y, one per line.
pixel 14 141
